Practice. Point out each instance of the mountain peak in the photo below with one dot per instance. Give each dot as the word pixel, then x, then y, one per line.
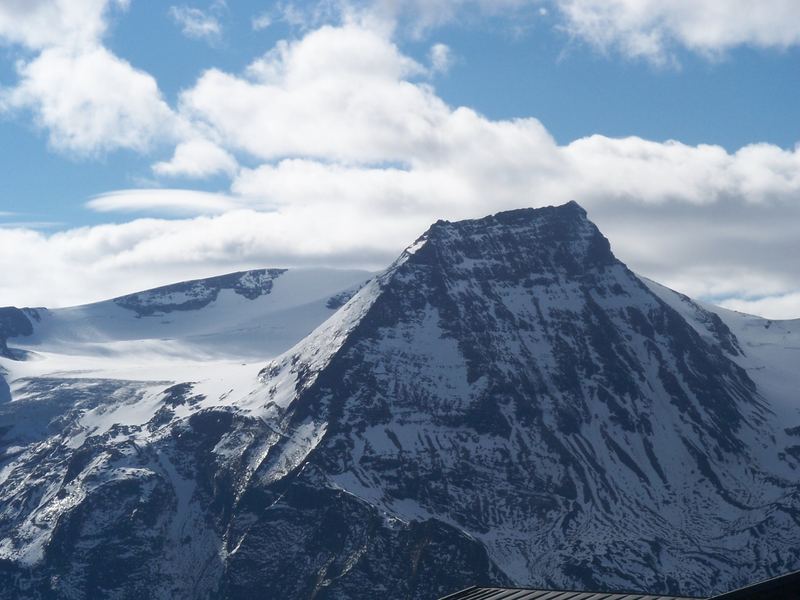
pixel 533 240
pixel 506 403
pixel 568 210
pixel 525 216
pixel 509 377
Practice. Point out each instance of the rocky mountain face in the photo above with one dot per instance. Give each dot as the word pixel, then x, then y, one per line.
pixel 199 293
pixel 15 322
pixel 506 404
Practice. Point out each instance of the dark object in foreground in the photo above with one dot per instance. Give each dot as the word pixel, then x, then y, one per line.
pixel 785 587
pixel 476 593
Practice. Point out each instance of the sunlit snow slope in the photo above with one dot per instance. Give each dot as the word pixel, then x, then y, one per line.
pixel 178 332
pixel 768 349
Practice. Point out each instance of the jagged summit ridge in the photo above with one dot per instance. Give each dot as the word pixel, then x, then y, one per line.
pixel 548 240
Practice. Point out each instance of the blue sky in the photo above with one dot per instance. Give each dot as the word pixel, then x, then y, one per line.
pixel 573 98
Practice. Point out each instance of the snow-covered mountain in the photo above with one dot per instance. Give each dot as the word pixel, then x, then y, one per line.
pixel 507 403
pixel 177 332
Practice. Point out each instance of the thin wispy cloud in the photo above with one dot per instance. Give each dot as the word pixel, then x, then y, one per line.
pixel 777 307
pixel 441 58
pixel 31 224
pixel 165 201
pixel 196 23
pixel 261 21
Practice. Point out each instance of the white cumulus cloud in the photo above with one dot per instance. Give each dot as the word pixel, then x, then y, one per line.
pixel 43 23
pixel 197 158
pixel 90 100
pixel 650 29
pixel 337 93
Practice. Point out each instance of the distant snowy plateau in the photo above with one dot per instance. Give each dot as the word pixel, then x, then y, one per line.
pixel 507 403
